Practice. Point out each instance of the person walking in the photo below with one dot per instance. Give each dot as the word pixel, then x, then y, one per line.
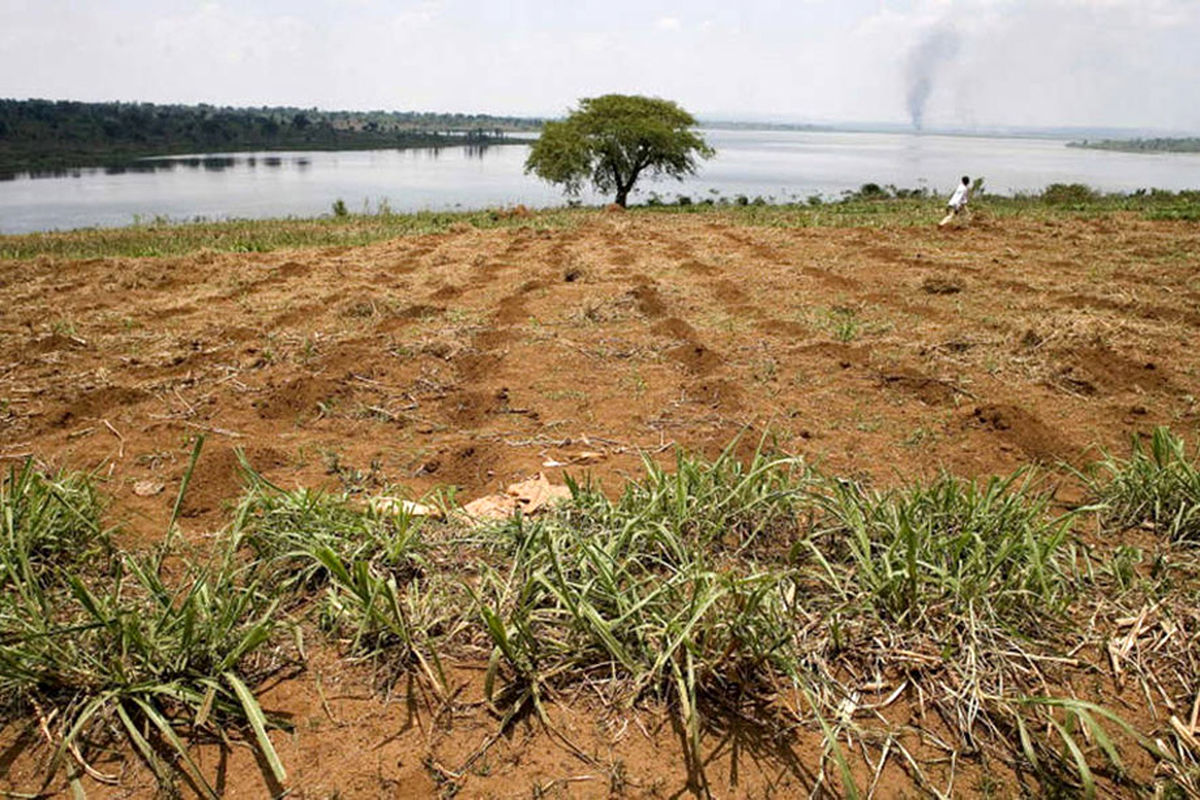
pixel 958 201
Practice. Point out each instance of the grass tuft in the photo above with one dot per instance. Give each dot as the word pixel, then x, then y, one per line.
pixel 1159 486
pixel 87 647
pixel 46 521
pixel 370 566
pixel 950 547
pixel 645 594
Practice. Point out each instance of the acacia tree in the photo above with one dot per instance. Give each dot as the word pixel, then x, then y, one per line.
pixel 611 141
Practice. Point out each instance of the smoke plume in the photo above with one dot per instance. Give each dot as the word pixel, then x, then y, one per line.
pixel 937 47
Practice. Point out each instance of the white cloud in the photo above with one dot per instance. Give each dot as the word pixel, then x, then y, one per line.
pixel 1027 62
pixel 421 13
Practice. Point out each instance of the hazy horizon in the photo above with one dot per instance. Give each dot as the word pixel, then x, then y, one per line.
pixel 968 64
pixel 715 118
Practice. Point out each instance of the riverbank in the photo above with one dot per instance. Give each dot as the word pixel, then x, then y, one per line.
pixel 872 206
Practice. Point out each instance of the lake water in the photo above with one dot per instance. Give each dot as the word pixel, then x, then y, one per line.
pixel 780 165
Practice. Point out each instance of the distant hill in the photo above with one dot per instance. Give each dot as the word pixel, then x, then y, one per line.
pixel 47 134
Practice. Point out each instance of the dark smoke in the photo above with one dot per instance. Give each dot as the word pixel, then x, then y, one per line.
pixel 937 47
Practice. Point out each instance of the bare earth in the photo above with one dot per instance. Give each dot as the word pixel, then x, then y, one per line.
pixel 476 358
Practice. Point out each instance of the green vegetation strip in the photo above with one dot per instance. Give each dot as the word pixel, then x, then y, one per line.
pixel 870 206
pixel 762 590
pixel 1178 144
pixel 164 238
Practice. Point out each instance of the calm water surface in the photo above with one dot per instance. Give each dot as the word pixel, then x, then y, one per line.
pixel 780 165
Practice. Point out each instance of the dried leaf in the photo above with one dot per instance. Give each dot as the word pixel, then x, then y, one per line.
pixel 529 496
pixel 537 492
pixel 492 506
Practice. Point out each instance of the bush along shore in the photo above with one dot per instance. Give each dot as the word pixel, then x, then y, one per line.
pixel 762 588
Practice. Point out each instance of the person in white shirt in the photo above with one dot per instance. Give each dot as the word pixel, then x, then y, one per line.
pixel 958 201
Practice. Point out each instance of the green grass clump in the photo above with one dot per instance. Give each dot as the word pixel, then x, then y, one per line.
pixel 400 621
pixel 114 645
pixel 725 503
pixel 641 606
pixel 645 594
pixel 1158 486
pixel 369 566
pixel 948 548
pixel 973 584
pixel 134 651
pixel 1069 194
pixel 1183 213
pixel 47 520
pixel 970 582
pixel 286 529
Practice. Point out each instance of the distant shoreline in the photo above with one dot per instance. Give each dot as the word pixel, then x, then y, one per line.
pixel 63 165
pixel 44 135
pixel 1188 144
pixel 57 164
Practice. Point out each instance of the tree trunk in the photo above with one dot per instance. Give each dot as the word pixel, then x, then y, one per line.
pixel 622 196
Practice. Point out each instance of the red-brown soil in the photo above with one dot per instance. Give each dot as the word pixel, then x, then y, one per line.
pixel 472 358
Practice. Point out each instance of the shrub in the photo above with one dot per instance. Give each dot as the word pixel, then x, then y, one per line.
pixel 1068 194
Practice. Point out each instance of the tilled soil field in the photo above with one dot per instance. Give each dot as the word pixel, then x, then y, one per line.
pixel 470 360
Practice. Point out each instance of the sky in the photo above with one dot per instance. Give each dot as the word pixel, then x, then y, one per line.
pixel 986 63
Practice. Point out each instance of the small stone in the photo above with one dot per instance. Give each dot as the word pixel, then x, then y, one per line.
pixel 147 488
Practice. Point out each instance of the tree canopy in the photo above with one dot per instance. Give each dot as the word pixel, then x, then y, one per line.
pixel 611 141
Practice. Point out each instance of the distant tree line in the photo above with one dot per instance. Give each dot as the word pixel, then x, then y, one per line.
pixel 36 134
pixel 1163 145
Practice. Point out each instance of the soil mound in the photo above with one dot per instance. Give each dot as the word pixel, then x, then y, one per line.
pixel 1026 431
pixel 217 480
pixel 512 310
pixel 648 301
pixel 942 284
pixel 717 393
pixel 1101 371
pixel 845 355
pixel 675 328
pixel 785 327
pixel 695 358
pixel 930 391
pixel 97 404
pixel 298 397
